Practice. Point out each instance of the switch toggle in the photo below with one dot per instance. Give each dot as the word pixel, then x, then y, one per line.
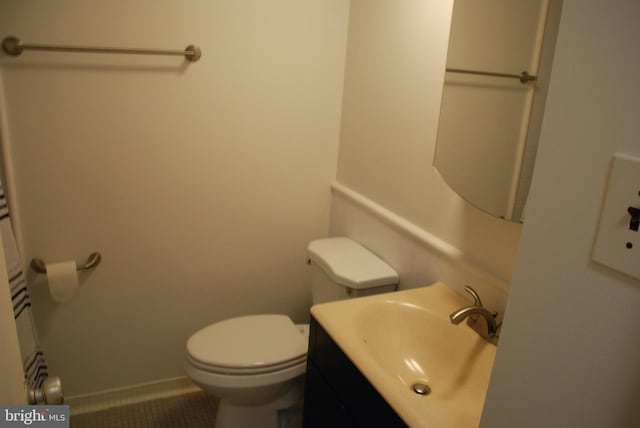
pixel 635 218
pixel 618 241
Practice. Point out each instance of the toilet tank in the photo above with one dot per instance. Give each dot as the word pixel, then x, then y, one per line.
pixel 342 268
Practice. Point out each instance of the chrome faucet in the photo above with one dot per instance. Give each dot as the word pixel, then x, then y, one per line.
pixel 474 314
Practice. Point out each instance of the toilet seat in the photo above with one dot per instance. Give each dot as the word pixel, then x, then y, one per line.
pixel 248 345
pixel 246 371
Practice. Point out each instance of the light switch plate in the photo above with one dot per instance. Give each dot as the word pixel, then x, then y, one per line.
pixel 617 244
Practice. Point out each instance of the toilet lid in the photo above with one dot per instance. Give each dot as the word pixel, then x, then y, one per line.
pixel 248 342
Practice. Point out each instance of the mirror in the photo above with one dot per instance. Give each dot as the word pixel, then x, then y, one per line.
pixel 498 67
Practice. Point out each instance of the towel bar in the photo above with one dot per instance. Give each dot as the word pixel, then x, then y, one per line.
pixel 94 259
pixel 14 46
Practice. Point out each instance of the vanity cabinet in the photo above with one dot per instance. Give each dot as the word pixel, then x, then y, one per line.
pixel 336 393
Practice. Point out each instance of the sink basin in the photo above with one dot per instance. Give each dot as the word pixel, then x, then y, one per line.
pixel 403 338
pixel 417 344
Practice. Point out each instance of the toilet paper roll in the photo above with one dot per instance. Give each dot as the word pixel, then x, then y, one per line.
pixel 63 280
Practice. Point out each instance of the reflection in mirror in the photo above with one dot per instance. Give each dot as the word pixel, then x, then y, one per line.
pixel 498 68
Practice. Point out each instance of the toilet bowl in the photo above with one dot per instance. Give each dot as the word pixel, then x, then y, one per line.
pixel 255 364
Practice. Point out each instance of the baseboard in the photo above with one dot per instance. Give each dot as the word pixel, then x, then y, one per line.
pixel 103 400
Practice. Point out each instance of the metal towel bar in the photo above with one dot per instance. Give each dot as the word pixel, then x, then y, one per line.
pixel 94 259
pixel 14 46
pixel 524 77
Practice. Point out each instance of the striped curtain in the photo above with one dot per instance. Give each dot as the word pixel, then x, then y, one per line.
pixel 35 366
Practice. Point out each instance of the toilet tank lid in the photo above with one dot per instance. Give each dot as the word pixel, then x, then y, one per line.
pixel 350 264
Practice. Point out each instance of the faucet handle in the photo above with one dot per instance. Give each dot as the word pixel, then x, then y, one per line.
pixel 474 294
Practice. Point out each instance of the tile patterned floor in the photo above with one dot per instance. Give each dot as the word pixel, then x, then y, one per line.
pixel 192 410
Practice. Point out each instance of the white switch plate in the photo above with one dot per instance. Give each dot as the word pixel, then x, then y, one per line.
pixel 617 246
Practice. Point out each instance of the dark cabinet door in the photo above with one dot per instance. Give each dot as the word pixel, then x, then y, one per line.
pixel 322 408
pixel 336 390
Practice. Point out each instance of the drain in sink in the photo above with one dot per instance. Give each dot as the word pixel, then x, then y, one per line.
pixel 421 388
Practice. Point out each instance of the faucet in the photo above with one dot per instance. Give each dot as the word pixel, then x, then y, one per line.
pixel 489 329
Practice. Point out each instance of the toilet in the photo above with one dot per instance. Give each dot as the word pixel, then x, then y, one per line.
pixel 255 363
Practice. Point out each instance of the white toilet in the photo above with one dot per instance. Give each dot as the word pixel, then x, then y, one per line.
pixel 255 363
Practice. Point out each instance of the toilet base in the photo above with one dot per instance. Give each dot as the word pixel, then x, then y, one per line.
pixel 263 416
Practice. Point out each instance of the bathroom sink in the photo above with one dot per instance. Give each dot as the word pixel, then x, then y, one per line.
pixel 403 342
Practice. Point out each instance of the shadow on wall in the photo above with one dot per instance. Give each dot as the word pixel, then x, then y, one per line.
pixel 47 307
pixel 479 241
pixel 94 66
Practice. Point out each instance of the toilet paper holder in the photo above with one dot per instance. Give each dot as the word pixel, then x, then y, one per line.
pixel 93 260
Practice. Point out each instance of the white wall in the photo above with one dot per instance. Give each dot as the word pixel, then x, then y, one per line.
pixel 200 183
pixel 569 351
pixel 419 257
pixel 392 93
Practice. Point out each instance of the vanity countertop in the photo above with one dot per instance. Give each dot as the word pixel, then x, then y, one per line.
pixel 401 338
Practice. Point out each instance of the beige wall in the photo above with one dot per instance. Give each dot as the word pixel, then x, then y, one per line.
pixel 187 214
pixel 393 88
pixel 201 184
pixel 569 351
